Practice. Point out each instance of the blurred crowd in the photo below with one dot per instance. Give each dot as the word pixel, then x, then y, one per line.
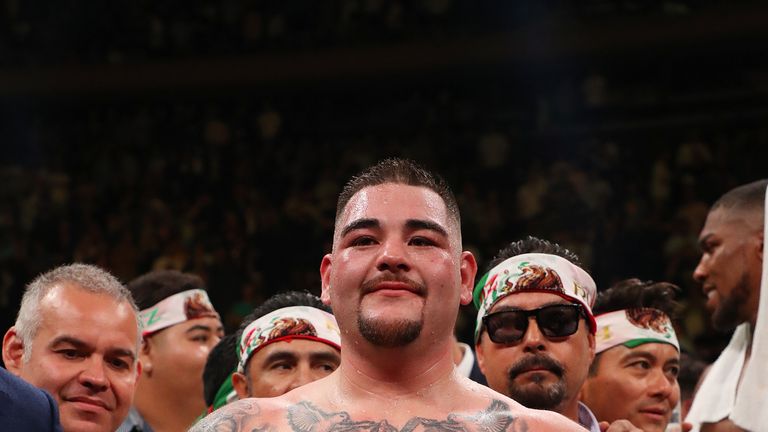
pixel 34 33
pixel 244 193
pixel 619 166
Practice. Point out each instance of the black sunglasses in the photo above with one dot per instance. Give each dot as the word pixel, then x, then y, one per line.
pixel 509 326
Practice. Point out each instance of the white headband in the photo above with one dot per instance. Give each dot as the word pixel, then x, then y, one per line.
pixel 633 327
pixel 294 322
pixel 180 307
pixel 534 272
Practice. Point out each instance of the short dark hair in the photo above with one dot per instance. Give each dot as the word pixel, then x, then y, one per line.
pixel 279 301
pixel 151 288
pixel 401 171
pixel 750 196
pixel 221 363
pixel 635 293
pixel 533 244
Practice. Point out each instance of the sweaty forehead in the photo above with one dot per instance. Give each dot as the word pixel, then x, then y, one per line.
pixel 393 202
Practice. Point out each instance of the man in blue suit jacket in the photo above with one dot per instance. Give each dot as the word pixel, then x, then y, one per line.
pixel 24 407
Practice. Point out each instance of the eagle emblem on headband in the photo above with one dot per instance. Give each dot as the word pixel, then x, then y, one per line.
pixel 291 327
pixel 197 306
pixel 648 318
pixel 536 277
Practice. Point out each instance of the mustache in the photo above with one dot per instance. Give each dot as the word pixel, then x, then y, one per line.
pixel 536 362
pixel 369 286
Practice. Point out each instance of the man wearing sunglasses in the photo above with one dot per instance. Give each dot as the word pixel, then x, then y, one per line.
pixel 535 332
pixel 634 374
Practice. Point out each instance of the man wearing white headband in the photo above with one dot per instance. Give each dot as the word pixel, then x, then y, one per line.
pixel 395 278
pixel 634 374
pixel 179 328
pixel 534 333
pixel 733 273
pixel 288 341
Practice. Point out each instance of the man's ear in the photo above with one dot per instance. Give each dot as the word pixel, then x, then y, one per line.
pixel 139 368
pixel 761 245
pixel 468 270
pixel 240 384
pixel 13 351
pixel 145 357
pixel 592 345
pixel 325 279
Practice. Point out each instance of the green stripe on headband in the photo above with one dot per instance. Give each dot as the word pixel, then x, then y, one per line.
pixel 479 291
pixel 637 342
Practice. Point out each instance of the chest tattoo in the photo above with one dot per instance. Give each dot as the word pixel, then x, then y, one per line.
pixel 305 417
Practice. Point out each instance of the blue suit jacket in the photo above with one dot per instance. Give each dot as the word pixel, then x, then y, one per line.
pixel 24 407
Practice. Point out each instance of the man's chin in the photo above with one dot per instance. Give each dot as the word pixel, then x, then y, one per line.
pixel 81 425
pixel 73 419
pixel 544 395
pixel 389 333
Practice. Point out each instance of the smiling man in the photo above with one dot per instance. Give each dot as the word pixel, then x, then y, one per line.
pixel 179 328
pixel 395 279
pixel 535 330
pixel 634 373
pixel 77 336
pixel 731 271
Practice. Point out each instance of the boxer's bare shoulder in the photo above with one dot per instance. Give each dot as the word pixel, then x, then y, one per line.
pixel 271 415
pixel 242 415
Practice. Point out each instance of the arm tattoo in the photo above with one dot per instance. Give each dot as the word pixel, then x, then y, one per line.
pixel 230 419
pixel 304 417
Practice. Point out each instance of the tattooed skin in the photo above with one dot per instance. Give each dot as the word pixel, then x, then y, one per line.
pixel 231 419
pixel 305 417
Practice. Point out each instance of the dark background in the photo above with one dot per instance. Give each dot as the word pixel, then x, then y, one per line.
pixel 214 137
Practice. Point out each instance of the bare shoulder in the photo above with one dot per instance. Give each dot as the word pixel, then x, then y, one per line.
pixel 243 415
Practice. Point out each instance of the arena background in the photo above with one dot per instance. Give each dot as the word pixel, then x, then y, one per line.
pixel 213 137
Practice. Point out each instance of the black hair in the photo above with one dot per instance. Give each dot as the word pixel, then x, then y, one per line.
pixel 533 244
pixel 151 288
pixel 750 196
pixel 221 362
pixel 634 293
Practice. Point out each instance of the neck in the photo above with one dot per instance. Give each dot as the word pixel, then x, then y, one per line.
pixel 570 409
pixel 396 373
pixel 166 412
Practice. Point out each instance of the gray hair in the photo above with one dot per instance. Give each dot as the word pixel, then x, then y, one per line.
pixel 87 277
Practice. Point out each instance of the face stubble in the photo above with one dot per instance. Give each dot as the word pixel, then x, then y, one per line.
pixel 536 393
pixel 726 316
pixel 390 333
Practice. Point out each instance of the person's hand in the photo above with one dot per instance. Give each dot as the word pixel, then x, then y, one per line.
pixel 619 426
pixel 687 427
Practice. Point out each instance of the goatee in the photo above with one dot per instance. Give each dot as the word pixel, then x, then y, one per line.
pixel 726 317
pixel 389 334
pixel 536 394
